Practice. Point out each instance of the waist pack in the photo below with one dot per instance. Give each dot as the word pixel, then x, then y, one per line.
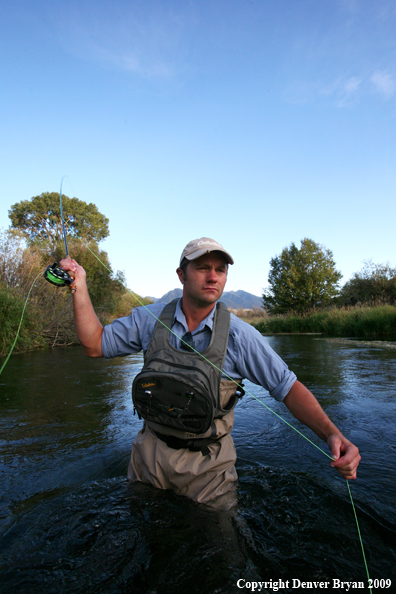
pixel 179 390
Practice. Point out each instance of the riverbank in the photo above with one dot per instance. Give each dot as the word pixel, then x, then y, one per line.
pixel 46 320
pixel 56 328
pixel 360 322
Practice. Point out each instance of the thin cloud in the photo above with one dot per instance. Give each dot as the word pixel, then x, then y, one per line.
pixel 347 91
pixel 352 85
pixel 143 43
pixel 131 62
pixel 344 91
pixel 384 84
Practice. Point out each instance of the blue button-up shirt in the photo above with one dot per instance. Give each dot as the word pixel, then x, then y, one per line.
pixel 248 353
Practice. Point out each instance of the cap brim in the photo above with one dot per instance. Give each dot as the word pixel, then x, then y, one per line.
pixel 204 251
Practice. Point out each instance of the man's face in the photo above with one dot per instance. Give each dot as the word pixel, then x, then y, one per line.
pixel 205 278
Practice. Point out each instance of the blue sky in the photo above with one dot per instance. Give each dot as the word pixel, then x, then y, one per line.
pixel 255 123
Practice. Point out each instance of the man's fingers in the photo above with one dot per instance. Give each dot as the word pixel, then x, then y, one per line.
pixel 348 462
pixel 67 264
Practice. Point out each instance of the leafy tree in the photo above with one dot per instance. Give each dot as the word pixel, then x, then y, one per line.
pixel 301 279
pixel 375 283
pixel 40 220
pixel 49 309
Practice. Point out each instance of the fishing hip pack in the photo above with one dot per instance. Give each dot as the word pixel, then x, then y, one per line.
pixel 180 390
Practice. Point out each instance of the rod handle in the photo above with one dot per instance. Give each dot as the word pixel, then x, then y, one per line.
pixel 72 287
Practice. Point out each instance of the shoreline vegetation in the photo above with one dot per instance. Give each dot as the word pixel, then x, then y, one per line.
pixel 359 321
pixel 48 320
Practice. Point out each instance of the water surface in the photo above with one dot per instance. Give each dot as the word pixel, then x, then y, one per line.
pixel 70 522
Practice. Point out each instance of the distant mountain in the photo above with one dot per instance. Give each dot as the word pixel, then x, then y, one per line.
pixel 233 299
pixel 241 300
pixel 171 295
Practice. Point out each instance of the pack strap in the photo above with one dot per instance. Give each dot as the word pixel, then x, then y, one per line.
pixel 215 352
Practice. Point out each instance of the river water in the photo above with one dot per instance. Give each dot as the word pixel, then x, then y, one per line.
pixel 71 523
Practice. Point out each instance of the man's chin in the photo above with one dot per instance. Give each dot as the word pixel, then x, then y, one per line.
pixel 205 298
pixel 211 296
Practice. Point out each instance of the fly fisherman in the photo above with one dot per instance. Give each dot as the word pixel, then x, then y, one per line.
pixel 186 403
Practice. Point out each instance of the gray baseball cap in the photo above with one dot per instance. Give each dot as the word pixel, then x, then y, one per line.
pixel 198 247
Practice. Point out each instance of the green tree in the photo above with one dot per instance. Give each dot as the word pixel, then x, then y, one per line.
pixel 375 283
pixel 40 221
pixel 301 279
pixel 49 313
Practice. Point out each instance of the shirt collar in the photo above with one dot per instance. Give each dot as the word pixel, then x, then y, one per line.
pixel 180 317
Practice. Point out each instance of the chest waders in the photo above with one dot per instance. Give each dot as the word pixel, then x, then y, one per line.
pixel 178 392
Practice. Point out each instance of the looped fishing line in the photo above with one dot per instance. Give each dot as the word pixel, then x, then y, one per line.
pixel 20 323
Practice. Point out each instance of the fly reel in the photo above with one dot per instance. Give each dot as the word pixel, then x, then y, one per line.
pixel 58 277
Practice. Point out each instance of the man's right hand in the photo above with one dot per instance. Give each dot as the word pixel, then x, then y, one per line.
pixel 73 268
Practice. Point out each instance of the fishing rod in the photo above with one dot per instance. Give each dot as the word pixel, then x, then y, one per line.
pixel 54 274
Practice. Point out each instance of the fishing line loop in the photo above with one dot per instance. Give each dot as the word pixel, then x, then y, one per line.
pixel 20 323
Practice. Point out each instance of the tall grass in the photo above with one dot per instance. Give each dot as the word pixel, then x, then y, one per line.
pixel 11 306
pixel 359 321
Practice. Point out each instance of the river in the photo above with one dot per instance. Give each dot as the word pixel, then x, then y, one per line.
pixel 70 523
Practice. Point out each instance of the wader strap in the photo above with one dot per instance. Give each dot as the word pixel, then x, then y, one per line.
pixel 216 350
pixel 194 445
pixel 161 329
pixel 183 435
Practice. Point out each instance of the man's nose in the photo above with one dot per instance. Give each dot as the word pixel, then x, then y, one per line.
pixel 212 274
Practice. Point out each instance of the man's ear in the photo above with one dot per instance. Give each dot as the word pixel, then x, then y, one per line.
pixel 180 274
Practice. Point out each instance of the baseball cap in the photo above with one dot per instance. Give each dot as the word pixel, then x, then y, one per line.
pixel 198 247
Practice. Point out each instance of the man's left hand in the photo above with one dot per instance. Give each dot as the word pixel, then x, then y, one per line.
pixel 345 455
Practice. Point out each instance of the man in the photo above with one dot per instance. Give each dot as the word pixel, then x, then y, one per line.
pixel 160 457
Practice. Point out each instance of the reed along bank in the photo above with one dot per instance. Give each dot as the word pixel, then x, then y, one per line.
pixel 370 322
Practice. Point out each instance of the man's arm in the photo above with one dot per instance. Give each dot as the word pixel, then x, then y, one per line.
pixel 89 329
pixel 304 406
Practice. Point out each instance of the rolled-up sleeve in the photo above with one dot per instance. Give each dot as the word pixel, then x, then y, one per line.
pixel 130 334
pixel 256 361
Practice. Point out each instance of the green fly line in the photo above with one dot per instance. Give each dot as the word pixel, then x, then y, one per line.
pixel 20 323
pixel 207 360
